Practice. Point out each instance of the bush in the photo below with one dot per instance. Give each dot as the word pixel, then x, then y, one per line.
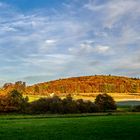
pixel 62 106
pixel 3 103
pixel 46 105
pixel 86 106
pixel 39 106
pixel 136 108
pixel 69 105
pixel 105 102
pixel 13 102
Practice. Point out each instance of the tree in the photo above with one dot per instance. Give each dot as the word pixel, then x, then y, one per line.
pixel 105 102
pixel 134 88
pixel 36 89
pixel 136 108
pixel 40 106
pixel 46 105
pixel 20 86
pixel 16 101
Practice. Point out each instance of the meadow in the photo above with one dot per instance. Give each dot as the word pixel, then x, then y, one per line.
pixel 70 127
pixel 91 96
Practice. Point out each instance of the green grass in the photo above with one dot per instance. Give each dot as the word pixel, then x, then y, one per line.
pixel 35 97
pixel 127 105
pixel 124 108
pixel 115 127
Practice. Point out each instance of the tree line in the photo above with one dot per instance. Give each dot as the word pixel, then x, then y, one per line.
pixel 15 102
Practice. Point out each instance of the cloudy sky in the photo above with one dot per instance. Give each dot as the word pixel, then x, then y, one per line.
pixel 42 40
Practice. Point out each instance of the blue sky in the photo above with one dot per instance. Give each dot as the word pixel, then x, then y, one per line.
pixel 42 40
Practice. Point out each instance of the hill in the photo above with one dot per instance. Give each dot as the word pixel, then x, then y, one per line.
pixel 87 84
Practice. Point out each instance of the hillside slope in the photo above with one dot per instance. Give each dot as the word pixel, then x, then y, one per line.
pixel 87 84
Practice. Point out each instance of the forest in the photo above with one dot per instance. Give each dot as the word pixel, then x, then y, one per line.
pixel 75 85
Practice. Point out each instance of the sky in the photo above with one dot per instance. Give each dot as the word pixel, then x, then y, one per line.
pixel 43 40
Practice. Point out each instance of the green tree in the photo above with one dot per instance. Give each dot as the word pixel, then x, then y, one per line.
pixel 105 102
pixel 16 101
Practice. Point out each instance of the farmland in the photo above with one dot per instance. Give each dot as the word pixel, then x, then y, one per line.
pixel 70 127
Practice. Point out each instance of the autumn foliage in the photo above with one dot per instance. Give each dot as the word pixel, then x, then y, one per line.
pixel 76 85
pixel 87 84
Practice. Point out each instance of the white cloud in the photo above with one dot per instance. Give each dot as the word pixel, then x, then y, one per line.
pixel 50 41
pixel 113 11
pixel 102 48
pixel 82 49
pixel 90 48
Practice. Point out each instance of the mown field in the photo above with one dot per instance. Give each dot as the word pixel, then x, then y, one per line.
pixel 75 127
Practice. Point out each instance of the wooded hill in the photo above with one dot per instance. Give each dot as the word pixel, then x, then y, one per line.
pixel 87 84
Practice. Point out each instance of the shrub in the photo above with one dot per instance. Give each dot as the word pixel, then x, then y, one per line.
pixel 62 106
pixel 86 106
pixel 136 108
pixel 56 105
pixel 39 106
pixel 69 105
pixel 46 105
pixel 3 103
pixel 13 102
pixel 105 102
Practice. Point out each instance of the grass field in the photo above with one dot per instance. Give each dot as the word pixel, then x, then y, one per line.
pixel 91 96
pixel 114 127
pixel 127 105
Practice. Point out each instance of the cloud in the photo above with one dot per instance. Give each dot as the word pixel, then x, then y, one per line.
pixel 113 11
pixel 83 38
pixel 129 35
pixel 50 41
pixel 90 48
pixel 102 49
